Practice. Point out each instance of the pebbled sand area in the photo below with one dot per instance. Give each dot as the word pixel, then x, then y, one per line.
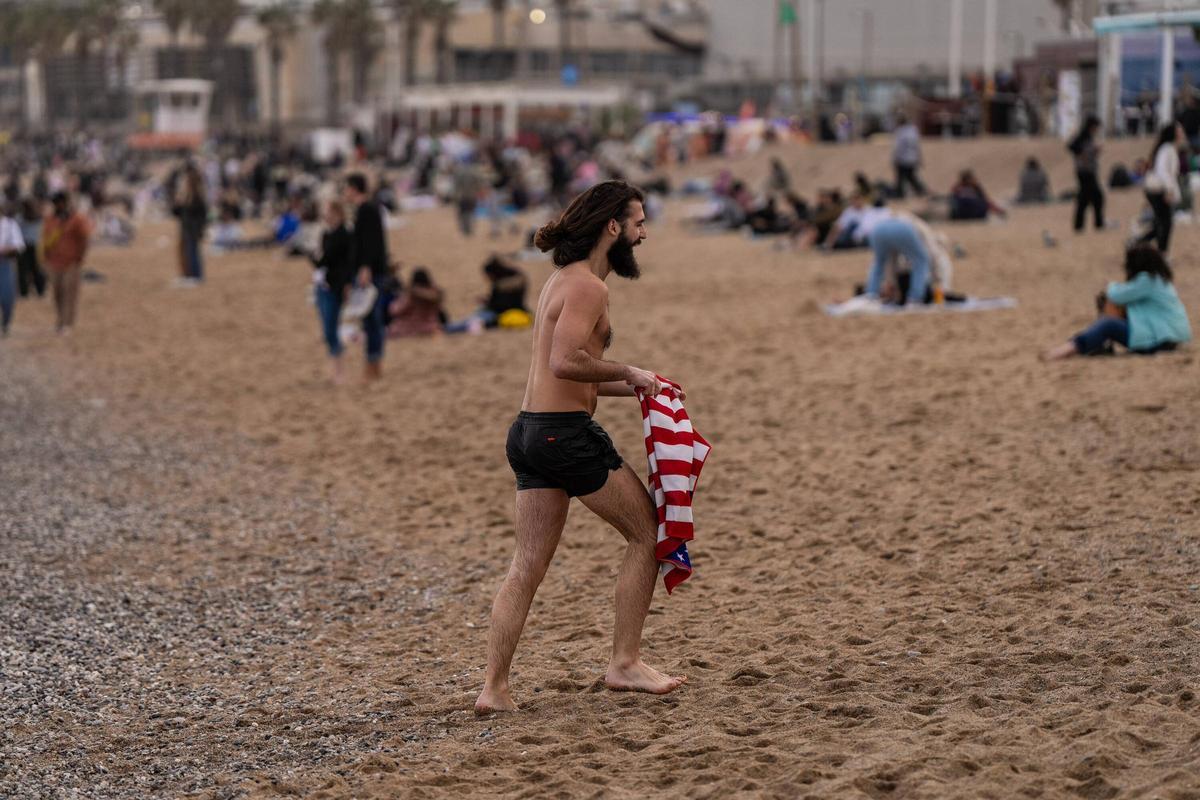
pixel 927 564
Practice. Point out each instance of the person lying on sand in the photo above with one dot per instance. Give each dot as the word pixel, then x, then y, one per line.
pixel 1143 314
pixel 557 450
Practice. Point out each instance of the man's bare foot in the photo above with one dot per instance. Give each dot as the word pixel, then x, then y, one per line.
pixel 637 677
pixel 492 701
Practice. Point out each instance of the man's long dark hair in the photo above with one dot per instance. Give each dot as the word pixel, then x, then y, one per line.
pixel 573 235
pixel 1146 258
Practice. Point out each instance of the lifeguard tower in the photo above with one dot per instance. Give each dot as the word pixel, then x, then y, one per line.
pixel 171 114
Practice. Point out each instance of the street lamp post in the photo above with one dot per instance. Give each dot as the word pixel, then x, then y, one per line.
pixel 954 86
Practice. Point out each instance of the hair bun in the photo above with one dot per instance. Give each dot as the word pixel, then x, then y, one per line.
pixel 548 236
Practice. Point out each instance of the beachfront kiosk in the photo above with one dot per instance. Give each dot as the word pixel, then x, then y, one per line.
pixel 496 109
pixel 1109 31
pixel 171 114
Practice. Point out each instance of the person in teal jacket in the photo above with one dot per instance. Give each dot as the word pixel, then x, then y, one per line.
pixel 1143 314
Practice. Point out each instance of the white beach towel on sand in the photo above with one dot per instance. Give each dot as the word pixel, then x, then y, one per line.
pixel 864 306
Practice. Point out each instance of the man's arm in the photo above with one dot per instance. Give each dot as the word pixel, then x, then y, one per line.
pixel 13 243
pixel 84 229
pixel 619 389
pixel 615 389
pixel 570 361
pixel 368 234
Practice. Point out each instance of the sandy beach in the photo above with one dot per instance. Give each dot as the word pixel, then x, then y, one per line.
pixel 927 564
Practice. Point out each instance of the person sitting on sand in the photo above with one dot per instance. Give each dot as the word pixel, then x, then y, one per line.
pixel 1141 167
pixel 767 220
pixel 825 214
pixel 1034 184
pixel 417 312
pixel 731 210
pixel 875 192
pixel 778 181
pixel 507 286
pixel 855 224
pixel 1143 314
pixel 969 201
pixel 227 232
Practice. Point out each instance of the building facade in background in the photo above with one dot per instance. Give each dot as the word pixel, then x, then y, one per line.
pixel 660 54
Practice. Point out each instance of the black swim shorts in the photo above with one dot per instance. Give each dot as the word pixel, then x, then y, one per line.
pixel 560 450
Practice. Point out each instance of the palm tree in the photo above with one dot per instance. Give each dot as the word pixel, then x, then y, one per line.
pixel 174 13
pixel 11 30
pixel 94 21
pixel 562 10
pixel 410 14
pixel 214 21
pixel 367 32
pixel 413 14
pixel 499 12
pixel 339 40
pixel 279 22
pixel 443 17
pixel 124 41
pixel 44 29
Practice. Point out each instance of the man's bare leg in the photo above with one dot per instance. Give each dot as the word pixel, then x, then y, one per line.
pixel 541 514
pixel 625 504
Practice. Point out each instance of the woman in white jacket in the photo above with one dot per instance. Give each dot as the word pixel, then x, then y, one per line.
pixel 1162 184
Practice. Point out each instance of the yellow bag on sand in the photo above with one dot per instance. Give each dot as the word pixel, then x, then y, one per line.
pixel 515 319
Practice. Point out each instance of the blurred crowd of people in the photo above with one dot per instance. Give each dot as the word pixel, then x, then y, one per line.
pixel 62 194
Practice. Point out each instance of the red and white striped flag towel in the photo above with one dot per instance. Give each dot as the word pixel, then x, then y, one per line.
pixel 676 453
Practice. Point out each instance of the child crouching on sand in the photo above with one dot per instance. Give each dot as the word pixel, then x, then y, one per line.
pixel 1143 314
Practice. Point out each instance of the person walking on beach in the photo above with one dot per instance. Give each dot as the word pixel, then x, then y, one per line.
pixel 557 450
pixel 1162 185
pixel 906 156
pixel 1086 150
pixel 371 262
pixel 65 235
pixel 11 245
pixel 29 270
pixel 333 272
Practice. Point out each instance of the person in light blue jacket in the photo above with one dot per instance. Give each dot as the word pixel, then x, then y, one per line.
pixel 1144 314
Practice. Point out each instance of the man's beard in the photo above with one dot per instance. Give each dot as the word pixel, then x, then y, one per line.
pixel 622 260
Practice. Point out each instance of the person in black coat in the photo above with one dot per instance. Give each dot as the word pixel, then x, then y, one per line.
pixel 333 273
pixel 191 208
pixel 371 263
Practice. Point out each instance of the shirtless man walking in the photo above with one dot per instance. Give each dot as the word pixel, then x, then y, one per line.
pixel 558 452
